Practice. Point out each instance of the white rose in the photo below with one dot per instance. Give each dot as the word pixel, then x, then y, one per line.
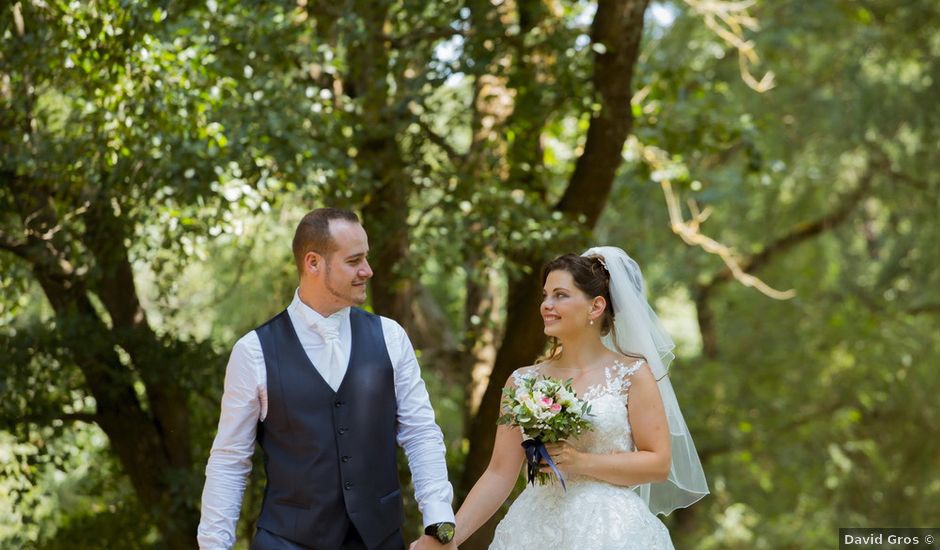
pixel 565 397
pixel 529 403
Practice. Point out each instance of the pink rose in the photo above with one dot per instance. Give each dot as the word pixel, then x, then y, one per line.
pixel 547 401
pixel 556 408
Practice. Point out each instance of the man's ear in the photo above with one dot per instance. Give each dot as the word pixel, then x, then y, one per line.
pixel 313 263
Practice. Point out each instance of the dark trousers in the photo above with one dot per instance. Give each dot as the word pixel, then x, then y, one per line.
pixel 266 540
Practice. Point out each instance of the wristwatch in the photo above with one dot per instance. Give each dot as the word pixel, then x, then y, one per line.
pixel 443 532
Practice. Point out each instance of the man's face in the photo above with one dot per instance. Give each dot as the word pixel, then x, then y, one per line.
pixel 347 268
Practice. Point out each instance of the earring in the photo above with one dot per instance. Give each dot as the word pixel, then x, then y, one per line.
pixel 592 322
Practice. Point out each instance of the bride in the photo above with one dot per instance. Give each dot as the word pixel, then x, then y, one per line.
pixel 637 461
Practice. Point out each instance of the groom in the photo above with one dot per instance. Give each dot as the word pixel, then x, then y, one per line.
pixel 327 390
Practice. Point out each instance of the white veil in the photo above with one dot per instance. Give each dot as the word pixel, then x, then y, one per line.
pixel 638 331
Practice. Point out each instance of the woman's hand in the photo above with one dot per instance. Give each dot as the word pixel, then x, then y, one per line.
pixel 567 458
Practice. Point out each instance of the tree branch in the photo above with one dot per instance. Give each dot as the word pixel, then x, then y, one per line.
pixel 689 231
pixel 9 180
pixel 798 234
pixel 908 180
pixel 729 20
pixel 924 309
pixel 17 248
pixel 47 419
pixel 776 433
pixel 430 34
pixel 618 28
pixel 703 292
pixel 455 157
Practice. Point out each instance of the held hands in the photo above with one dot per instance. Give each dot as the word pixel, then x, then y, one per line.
pixel 427 542
pixel 568 459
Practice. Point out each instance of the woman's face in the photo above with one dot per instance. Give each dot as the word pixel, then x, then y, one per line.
pixel 565 308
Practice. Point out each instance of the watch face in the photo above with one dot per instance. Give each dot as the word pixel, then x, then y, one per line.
pixel 445 532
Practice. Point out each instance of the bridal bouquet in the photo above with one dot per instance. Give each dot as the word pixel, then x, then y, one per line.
pixel 546 410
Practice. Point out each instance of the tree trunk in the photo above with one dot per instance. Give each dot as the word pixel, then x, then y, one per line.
pixel 133 434
pixel 379 153
pixel 115 286
pixel 619 26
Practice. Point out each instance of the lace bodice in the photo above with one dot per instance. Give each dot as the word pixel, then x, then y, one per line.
pixel 591 513
pixel 608 396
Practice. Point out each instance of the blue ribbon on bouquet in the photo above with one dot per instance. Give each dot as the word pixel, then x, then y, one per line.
pixel 535 452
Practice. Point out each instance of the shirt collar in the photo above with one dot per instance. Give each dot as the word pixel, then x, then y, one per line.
pixel 311 316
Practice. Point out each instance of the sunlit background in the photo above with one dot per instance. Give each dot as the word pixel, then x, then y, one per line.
pixel 772 166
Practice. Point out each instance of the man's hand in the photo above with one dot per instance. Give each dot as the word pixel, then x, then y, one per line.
pixel 427 542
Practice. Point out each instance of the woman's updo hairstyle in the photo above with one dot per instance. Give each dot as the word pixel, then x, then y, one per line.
pixel 590 276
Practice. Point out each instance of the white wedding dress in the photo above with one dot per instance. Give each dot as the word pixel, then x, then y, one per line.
pixel 592 514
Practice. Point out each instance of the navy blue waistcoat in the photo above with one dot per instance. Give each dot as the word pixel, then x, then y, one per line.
pixel 330 457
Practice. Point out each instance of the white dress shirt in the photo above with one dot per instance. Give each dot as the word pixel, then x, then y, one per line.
pixel 245 402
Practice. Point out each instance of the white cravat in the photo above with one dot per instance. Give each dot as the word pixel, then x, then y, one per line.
pixel 334 363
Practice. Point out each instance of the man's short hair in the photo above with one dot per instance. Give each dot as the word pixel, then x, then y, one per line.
pixel 313 233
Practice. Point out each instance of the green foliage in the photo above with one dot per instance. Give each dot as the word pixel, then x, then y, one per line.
pixel 810 413
pixel 187 138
